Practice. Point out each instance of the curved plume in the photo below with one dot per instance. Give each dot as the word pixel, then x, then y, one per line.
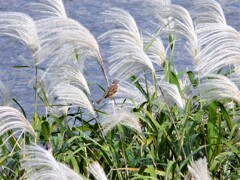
pixel 48 8
pixel 176 20
pixel 218 87
pixel 71 96
pixel 127 32
pixel 97 171
pixel 120 116
pixel 21 27
pixel 221 47
pixel 171 94
pixel 128 56
pixel 199 170
pixel 68 73
pixel 129 91
pixel 5 95
pixel 64 38
pixel 40 164
pixel 11 119
pixel 156 51
pixel 208 11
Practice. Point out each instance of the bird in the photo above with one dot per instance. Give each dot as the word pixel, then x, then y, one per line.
pixel 111 92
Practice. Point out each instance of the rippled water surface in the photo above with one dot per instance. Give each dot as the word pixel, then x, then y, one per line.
pixel 88 12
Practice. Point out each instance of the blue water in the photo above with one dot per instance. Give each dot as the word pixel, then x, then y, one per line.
pixel 88 12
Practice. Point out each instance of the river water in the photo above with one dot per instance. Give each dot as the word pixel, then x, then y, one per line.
pixel 88 12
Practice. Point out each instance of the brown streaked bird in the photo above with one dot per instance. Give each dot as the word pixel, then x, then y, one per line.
pixel 111 92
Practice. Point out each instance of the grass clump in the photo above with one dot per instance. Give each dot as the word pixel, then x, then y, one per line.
pixel 162 124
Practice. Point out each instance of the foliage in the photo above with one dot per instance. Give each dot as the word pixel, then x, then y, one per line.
pixel 159 124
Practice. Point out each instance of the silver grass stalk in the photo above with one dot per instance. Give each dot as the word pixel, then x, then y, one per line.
pixel 171 94
pixel 208 11
pixel 219 87
pixel 176 20
pixel 21 27
pixel 48 8
pixel 129 91
pixel 220 48
pixel 5 95
pixel 97 171
pixel 120 116
pixel 156 52
pixel 198 170
pixel 128 31
pixel 128 60
pixel 40 164
pixel 63 38
pixel 71 96
pixel 162 2
pixel 128 56
pixel 68 73
pixel 11 119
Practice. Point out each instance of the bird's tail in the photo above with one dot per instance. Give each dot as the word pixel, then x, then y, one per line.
pixel 100 100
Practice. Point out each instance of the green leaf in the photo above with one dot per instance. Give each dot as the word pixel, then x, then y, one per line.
pixel 169 170
pixel 138 85
pixel 192 78
pixel 74 164
pixel 46 131
pixel 226 116
pixel 212 132
pixel 233 148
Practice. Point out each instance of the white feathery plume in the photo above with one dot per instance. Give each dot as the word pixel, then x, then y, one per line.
pixel 5 95
pixel 71 96
pixel 219 87
pixel 176 20
pixel 64 38
pixel 171 94
pixel 11 118
pixel 40 164
pixel 48 8
pixel 21 27
pixel 156 51
pixel 162 2
pixel 128 31
pixel 97 171
pixel 128 60
pixel 129 91
pixel 128 56
pixel 120 116
pixel 221 47
pixel 68 73
pixel 208 11
pixel 199 170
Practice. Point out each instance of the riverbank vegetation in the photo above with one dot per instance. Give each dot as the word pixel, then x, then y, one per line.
pixel 162 124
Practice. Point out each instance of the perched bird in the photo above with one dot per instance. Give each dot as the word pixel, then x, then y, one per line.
pixel 111 92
